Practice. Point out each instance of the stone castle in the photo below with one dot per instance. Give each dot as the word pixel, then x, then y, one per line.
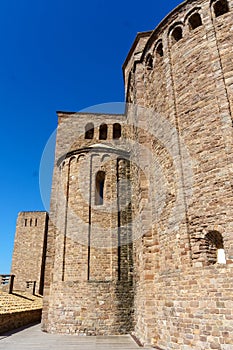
pixel 139 237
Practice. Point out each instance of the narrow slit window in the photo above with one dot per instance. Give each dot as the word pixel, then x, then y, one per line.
pixel 89 131
pixel 159 50
pixel 116 131
pixel 177 34
pixel 99 188
pixel 35 222
pixel 103 132
pixel 30 222
pixel 25 222
pixel 195 21
pixel 149 61
pixel 221 7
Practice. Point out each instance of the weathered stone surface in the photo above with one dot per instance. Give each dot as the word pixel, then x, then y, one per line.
pixel 140 233
pixel 13 320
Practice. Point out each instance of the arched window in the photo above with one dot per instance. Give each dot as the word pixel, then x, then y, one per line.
pixel 195 21
pixel 99 188
pixel 103 132
pixel 177 34
pixel 149 61
pixel 214 248
pixel 221 7
pixel 159 50
pixel 89 131
pixel 116 131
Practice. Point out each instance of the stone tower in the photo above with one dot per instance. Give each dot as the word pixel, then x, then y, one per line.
pixel 29 250
pixel 140 234
pixel 91 257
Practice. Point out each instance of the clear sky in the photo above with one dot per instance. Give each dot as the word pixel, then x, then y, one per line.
pixel 56 55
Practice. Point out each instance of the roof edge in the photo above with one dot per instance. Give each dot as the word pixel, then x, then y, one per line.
pixel 136 40
pixel 162 22
pixel 64 113
pixel 152 32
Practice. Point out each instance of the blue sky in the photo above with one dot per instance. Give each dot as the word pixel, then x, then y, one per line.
pixel 56 55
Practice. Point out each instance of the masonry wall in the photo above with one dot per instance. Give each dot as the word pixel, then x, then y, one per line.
pixel 183 124
pixel 90 308
pixel 174 207
pixel 89 257
pixel 28 262
pixel 194 309
pixel 14 320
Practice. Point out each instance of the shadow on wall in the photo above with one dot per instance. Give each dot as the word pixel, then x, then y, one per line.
pixel 17 330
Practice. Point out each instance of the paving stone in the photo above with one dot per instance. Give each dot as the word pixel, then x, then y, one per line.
pixel 32 338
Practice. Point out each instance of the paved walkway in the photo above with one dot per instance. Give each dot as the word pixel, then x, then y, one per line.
pixel 33 339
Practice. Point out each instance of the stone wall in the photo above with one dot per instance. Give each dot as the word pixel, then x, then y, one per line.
pixel 173 207
pixel 194 309
pixel 90 308
pixel 189 309
pixel 89 255
pixel 13 320
pixel 182 96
